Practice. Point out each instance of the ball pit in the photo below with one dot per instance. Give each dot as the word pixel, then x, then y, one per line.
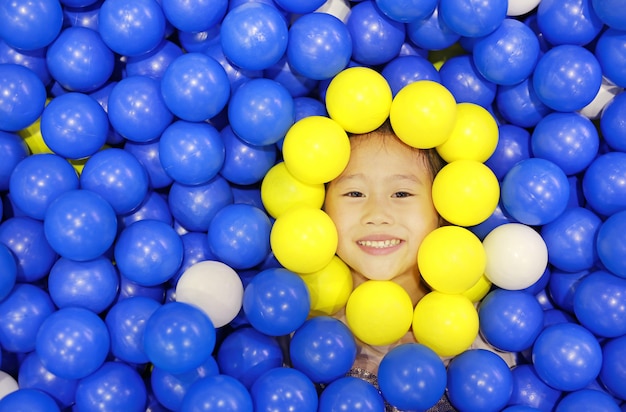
pixel 163 240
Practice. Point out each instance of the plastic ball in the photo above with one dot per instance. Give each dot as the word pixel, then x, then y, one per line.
pixel 568 22
pixel 148 155
pixel 358 99
pixel 35 60
pixel 276 302
pixel 567 356
pixel 517 256
pixel 479 290
pixel 510 320
pixel 30 25
pixel 447 324
pixel 300 6
pixel 148 252
pixel 474 136
pixel 610 243
pixel 246 354
pixel 80 225
pixel 473 18
pixel 329 288
pixel 33 375
pixel 115 385
pixel 571 239
pixel 586 399
pixel 431 33
pixel 613 372
pixel 520 104
pixel 603 183
pixel 193 207
pixel 215 393
pixel 244 163
pixel 154 207
pixel 460 75
pixel 72 343
pixel 284 389
pixel 567 78
pixel 280 190
pixel 319 46
pixel 79 60
pixel 599 304
pixel 178 337
pixel 609 51
pixel 92 285
pixel 406 11
pixel 376 39
pixel 22 313
pixel 15 150
pixel 38 180
pixel 254 35
pixel 423 114
pixel 469 183
pixel 195 87
pixel 323 348
pixel 513 146
pixel 508 55
pixel 214 287
pixel 406 69
pixel 350 393
pixel 561 289
pixel 153 64
pixel 23 97
pixel 304 239
pixel 293 81
pixel 137 110
pixel 24 400
pixel 451 259
pixel 7 384
pixel 131 28
pixel 529 390
pixel 194 16
pixel 26 240
pixel 412 377
pixel 521 7
pixel 8 267
pixel 611 125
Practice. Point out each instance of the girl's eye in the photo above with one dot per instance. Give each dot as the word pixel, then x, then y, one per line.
pixel 401 194
pixel 353 193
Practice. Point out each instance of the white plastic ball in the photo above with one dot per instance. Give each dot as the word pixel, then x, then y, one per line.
pixel 7 384
pixel 521 7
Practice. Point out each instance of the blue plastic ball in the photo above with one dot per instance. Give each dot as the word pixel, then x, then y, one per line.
pixel 28 400
pixel 431 33
pixel 148 252
pixel 535 191
pixel 84 15
pixel 191 153
pixel 254 35
pixel 154 207
pixel 613 370
pixel 21 315
pixel 600 303
pixel 568 21
pixel 604 184
pixel 35 60
pixel 25 237
pixel 194 16
pixel 72 343
pixel 118 177
pixel 351 394
pixel 296 84
pixel 115 386
pixel 22 97
pixel 131 27
pixel 611 55
pixel 520 104
pixel 276 302
pixel 567 78
pixel 479 379
pixel 412 377
pixel 14 150
pixel 562 286
pixel 34 375
pixel 130 289
pixel 569 140
pixel 531 391
pixel 244 163
pixel 8 268
pixel 79 60
pixel 513 146
pixel 236 75
pixel 612 127
pixel 473 18
pixel 80 225
pixel 284 389
pixel 586 400
pixel 376 39
pixel 30 25
pixel 193 207
pixel 38 180
pixel 611 245
pixel 461 77
pixel 567 356
pixel 404 70
pixel 261 112
pixel 319 47
pixel 571 239
pixel 148 154
pixel 217 393
pixel 508 55
pixel 323 348
pixel 497 218
pixel 299 6
pixel 195 87
pixel 126 321
pixel 178 337
pixel 406 11
pixel 153 64
pixel 510 320
pixel 605 9
pixel 137 110
pixel 195 249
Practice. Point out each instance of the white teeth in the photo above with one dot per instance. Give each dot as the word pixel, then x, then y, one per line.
pixel 379 244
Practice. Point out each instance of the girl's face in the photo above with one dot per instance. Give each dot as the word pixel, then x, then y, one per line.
pixel 382 207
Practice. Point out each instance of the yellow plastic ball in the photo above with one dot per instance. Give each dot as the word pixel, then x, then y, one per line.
pixel 439 57
pixel 448 324
pixel 33 138
pixel 479 290
pixel 474 137
pixel 316 149
pixel 451 259
pixel 329 288
pixel 465 192
pixel 304 239
pixel 423 114
pixel 280 191
pixel 379 312
pixel 359 99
